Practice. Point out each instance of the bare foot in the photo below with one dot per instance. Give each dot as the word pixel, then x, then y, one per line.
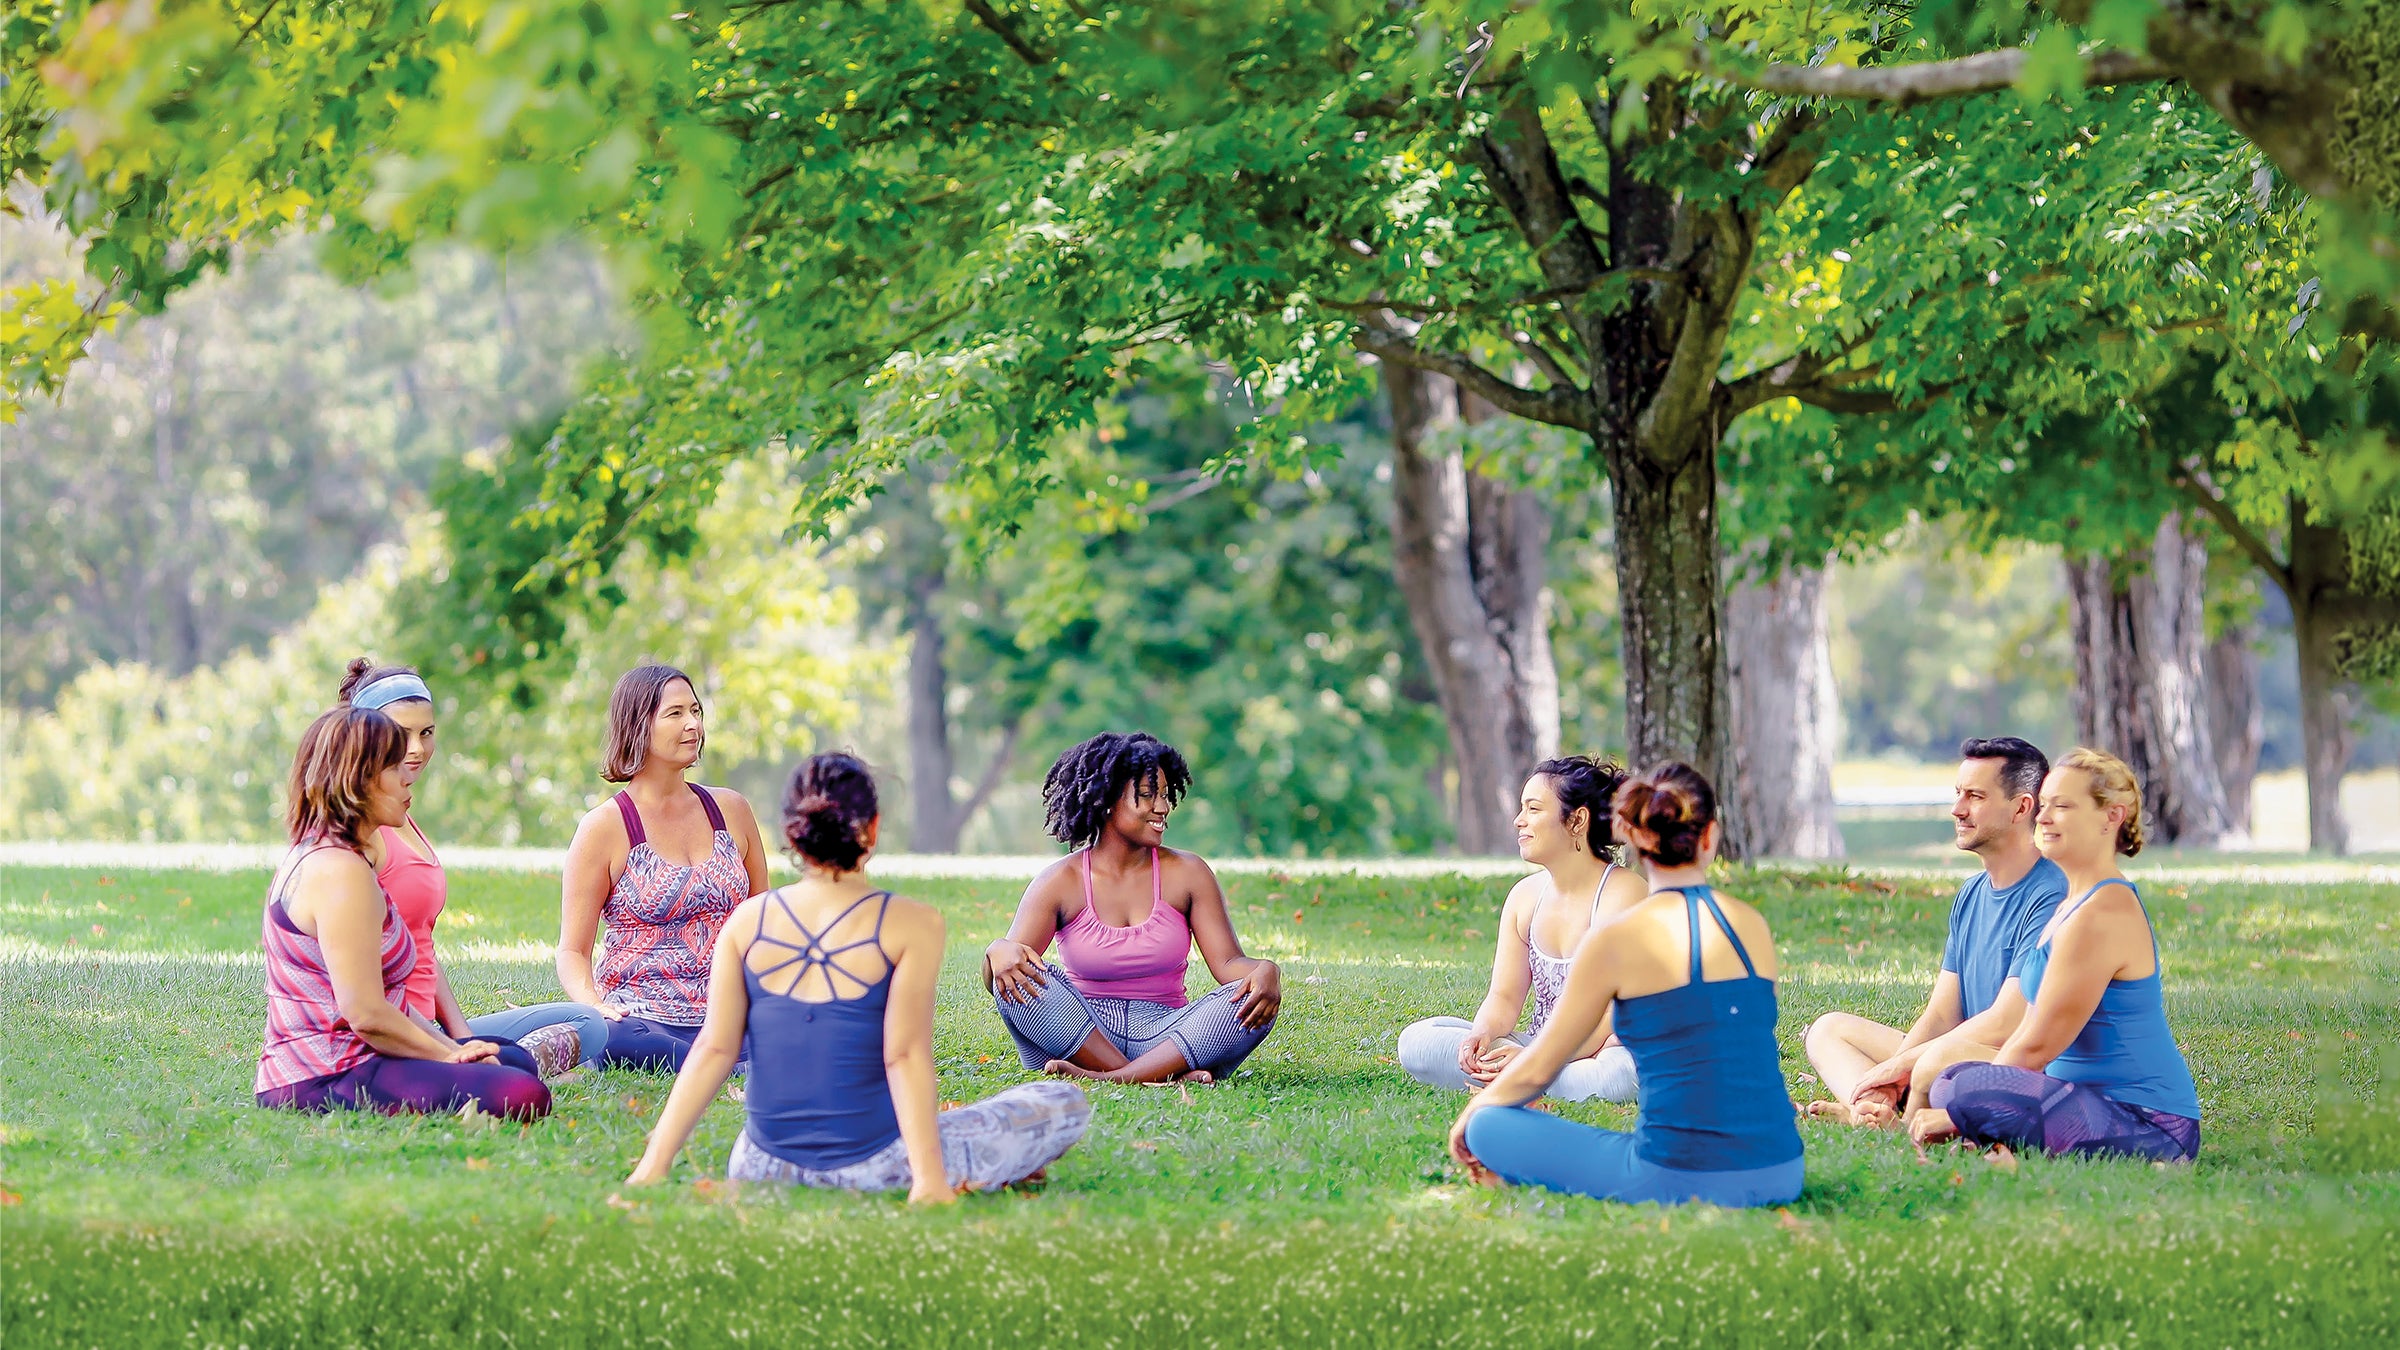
pixel 1829 1109
pixel 1197 1077
pixel 1067 1068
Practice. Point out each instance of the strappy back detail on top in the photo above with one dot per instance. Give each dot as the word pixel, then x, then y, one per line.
pixel 1143 961
pixel 2125 1048
pixel 663 919
pixel 819 1096
pixel 1710 1074
pixel 306 1035
pixel 1549 973
pixel 813 957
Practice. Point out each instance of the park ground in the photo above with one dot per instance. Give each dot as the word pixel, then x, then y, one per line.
pixel 143 1200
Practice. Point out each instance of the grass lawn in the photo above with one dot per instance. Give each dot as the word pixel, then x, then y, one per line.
pixel 146 1201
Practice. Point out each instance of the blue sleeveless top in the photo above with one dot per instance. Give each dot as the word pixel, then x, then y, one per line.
pixel 1710 1076
pixel 2125 1050
pixel 818 1097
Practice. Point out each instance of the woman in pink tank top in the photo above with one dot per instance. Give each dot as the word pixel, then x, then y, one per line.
pixel 662 864
pixel 1126 912
pixel 338 955
pixel 554 1037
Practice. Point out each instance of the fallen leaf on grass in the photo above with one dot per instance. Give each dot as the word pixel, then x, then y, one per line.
pixel 1314 979
pixel 1145 1145
pixel 951 1106
pixel 709 1188
pixel 983 1059
pixel 1958 1178
pixel 1183 1092
pixel 636 1105
pixel 1789 1222
pixel 479 1164
pixel 616 1201
pixel 1297 917
pixel 9 1197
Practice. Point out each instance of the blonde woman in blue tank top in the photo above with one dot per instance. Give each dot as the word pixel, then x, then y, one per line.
pixel 1687 979
pixel 2092 1068
pixel 832 980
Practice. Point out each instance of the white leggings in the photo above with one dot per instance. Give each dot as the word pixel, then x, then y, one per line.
pixel 1429 1051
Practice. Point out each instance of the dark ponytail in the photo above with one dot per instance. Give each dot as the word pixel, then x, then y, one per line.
pixel 1663 813
pixel 827 808
pixel 1586 783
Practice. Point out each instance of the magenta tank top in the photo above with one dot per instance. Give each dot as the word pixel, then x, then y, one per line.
pixel 306 1036
pixel 1143 962
pixel 418 889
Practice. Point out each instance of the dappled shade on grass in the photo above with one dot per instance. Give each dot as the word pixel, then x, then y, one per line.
pixel 1313 1184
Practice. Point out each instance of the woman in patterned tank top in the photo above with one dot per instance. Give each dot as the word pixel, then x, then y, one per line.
pixel 1562 828
pixel 662 864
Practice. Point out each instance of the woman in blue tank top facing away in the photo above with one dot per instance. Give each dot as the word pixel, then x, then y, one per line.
pixel 1687 977
pixel 2092 1068
pixel 832 978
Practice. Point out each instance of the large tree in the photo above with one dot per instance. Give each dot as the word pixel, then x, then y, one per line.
pixel 923 231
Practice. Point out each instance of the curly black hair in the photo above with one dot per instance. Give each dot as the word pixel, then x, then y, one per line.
pixel 1586 783
pixel 1083 786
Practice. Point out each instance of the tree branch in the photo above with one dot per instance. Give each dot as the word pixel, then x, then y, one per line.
pixel 1917 81
pixel 1007 32
pixel 1560 407
pixel 2189 479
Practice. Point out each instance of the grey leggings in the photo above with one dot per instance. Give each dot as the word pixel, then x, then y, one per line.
pixel 1006 1137
pixel 1056 1023
pixel 1429 1052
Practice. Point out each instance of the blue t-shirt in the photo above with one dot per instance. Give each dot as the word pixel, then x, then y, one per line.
pixel 1990 929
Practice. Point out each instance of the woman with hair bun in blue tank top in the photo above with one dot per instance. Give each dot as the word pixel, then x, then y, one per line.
pixel 832 980
pixel 2092 1068
pixel 1687 977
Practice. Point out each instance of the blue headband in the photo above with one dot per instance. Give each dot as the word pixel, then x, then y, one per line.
pixel 394 688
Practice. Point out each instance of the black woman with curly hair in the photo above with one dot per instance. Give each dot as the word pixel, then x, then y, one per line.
pixel 1126 911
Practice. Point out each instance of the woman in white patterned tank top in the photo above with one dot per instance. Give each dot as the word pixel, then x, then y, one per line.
pixel 1562 828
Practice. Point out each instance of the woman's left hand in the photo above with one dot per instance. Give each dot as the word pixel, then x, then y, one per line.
pixel 1931 1127
pixel 1262 994
pixel 1458 1150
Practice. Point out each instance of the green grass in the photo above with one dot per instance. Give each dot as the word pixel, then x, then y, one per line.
pixel 147 1202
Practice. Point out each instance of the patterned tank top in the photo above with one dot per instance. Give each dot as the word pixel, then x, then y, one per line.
pixel 1550 972
pixel 663 919
pixel 307 1037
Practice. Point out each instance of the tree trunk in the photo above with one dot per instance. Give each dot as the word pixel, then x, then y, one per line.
pixel 1786 717
pixel 2139 679
pixel 1676 706
pixel 1468 554
pixel 2236 719
pixel 2320 563
pixel 938 821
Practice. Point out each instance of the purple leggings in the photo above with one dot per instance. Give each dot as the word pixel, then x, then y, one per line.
pixel 402 1086
pixel 2002 1104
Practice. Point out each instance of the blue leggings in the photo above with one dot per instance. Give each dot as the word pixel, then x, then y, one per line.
pixel 639 1043
pixel 1058 1020
pixel 2003 1104
pixel 418 1086
pixel 591 1029
pixel 1535 1148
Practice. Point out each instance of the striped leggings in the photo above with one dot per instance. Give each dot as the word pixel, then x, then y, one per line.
pixel 1057 1021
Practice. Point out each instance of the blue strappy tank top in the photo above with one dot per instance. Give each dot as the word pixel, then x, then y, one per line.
pixel 818 1097
pixel 2125 1049
pixel 1711 1078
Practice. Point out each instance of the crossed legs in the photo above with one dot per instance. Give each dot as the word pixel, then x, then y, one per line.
pixel 1842 1047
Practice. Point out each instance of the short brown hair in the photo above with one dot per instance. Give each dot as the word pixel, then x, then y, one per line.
pixel 1664 812
pixel 2113 784
pixel 340 755
pixel 632 706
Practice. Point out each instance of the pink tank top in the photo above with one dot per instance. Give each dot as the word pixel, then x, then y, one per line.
pixel 419 888
pixel 663 919
pixel 307 1036
pixel 1144 962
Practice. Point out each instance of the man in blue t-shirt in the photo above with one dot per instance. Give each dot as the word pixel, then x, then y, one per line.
pixel 1999 913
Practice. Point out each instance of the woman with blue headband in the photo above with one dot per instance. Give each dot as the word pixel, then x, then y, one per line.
pixel 554 1037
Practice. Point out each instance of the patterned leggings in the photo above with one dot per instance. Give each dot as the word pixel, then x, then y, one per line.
pixel 1058 1020
pixel 1004 1138
pixel 418 1086
pixel 2002 1104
